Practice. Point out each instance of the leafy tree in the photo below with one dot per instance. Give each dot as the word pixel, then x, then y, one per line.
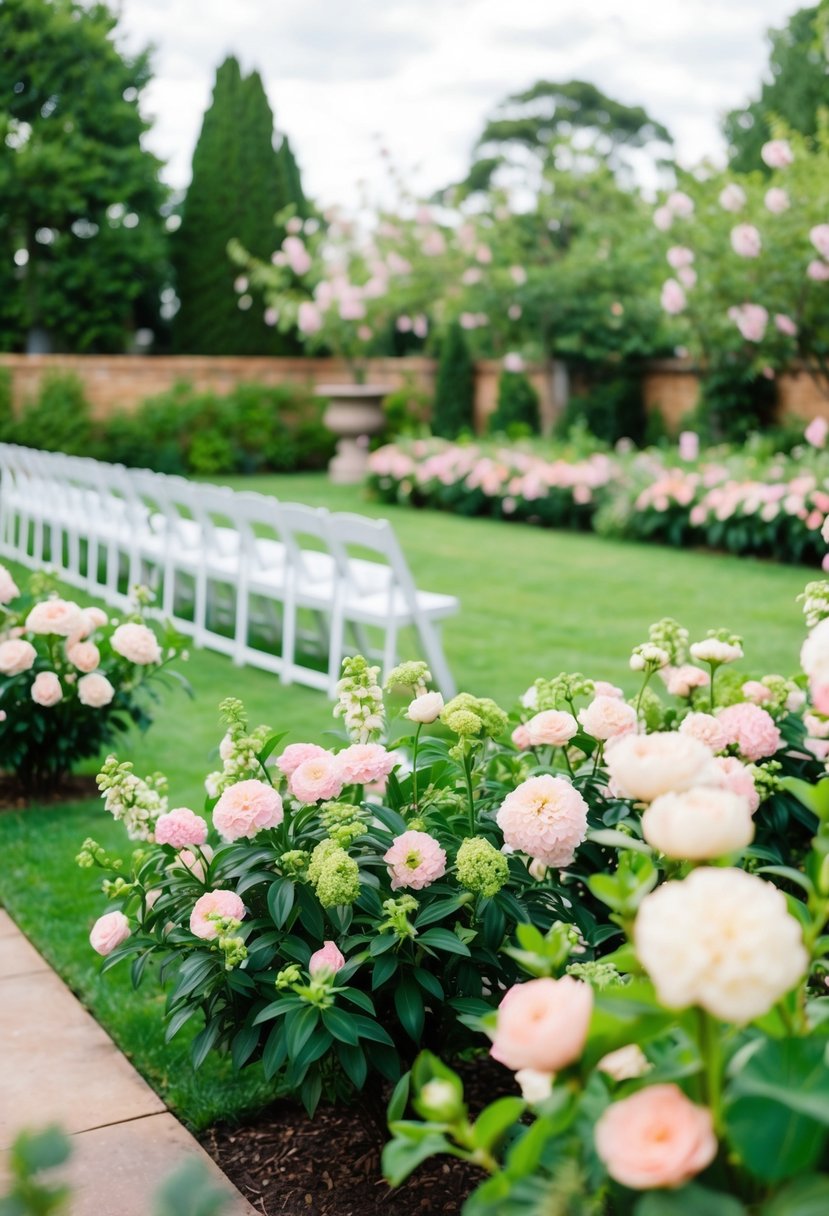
pixel 797 88
pixel 239 182
pixel 517 409
pixel 81 198
pixel 454 404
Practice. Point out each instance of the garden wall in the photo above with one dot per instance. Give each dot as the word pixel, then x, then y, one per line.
pixel 671 386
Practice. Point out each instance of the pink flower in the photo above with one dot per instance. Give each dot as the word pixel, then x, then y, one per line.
pixel 777 153
pixel 816 432
pixel 663 217
pixel 136 643
pixel 16 656
pixel 545 817
pixel 680 204
pixel 309 318
pixel 55 616
pixel 297 256
pixel 295 753
pixel 514 312
pixel 513 362
pixel 245 809
pixel 9 589
pixel 109 932
pixel 46 689
pixel 193 862
pixel 94 618
pixel 754 691
pixel 688 445
pixel 316 779
pixel 752 729
pixel 687 276
pixel 83 655
pixel 95 691
pixel 746 241
pixel 601 688
pixel 679 256
pixel 542 1024
pixel 657 1138
pixel 364 763
pixel 329 959
pixel 518 275
pixel 707 729
pixel 673 297
pixel 553 727
pixel 819 236
pixel 180 827
pixel 751 320
pixel 521 737
pixel 607 717
pixel 732 197
pixel 818 271
pixel 415 860
pixel 777 200
pixel 736 777
pixel 785 325
pixel 212 907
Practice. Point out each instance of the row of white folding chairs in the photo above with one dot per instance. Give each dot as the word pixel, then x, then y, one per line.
pixel 229 568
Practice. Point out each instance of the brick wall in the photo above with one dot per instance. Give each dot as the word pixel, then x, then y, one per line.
pixel 672 387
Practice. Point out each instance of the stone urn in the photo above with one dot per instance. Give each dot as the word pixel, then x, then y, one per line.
pixel 354 413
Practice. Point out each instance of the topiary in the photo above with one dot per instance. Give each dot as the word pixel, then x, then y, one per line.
pixel 517 407
pixel 454 406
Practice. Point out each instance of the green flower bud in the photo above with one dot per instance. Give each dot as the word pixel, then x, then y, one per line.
pixel 339 879
pixel 481 867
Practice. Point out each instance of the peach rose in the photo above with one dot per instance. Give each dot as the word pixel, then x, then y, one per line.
pixel 245 809
pixel 316 779
pixel 95 690
pixel 553 727
pixel 16 656
pixel 136 643
pixel 9 589
pixel 109 932
pixel 656 1138
pixel 55 616
pixel 46 689
pixel 607 717
pixel 83 655
pixel 542 1024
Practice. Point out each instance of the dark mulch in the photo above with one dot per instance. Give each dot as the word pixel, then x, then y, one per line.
pixel 286 1164
pixel 77 788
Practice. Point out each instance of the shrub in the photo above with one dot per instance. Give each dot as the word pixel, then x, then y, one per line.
pixel 454 407
pixel 407 410
pixel 612 408
pixel 734 400
pixel 7 424
pixel 517 409
pixel 59 420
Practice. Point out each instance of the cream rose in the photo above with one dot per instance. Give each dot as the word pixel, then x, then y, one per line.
pixel 95 690
pixel 55 616
pixel 552 727
pixel 16 656
pixel 46 689
pixel 607 717
pixel 698 824
pixel 642 767
pixel 83 655
pixel 136 643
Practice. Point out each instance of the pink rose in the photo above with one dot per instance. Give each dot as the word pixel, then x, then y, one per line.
pixel 245 809
pixel 785 325
pixel 9 589
pixel 109 932
pixel 777 153
pixel 545 817
pixel 688 445
pixel 95 691
pixel 415 860
pixel 212 907
pixel 364 763
pixel 680 204
pixel 553 727
pixel 46 689
pixel 309 318
pixel 657 1138
pixel 819 236
pixel 817 432
pixel 673 297
pixel 663 217
pixel 194 862
pixel 601 688
pixel 16 656
pixel 513 362
pixel 754 691
pixel 521 737
pixel 295 753
pixel 83 655
pixel 732 197
pixel 746 241
pixel 542 1024
pixel 777 200
pixel 679 256
pixel 751 320
pixel 607 717
pixel 329 959
pixel 180 827
pixel 752 729
pixel 818 271
pixel 55 616
pixel 136 643
pixel 316 779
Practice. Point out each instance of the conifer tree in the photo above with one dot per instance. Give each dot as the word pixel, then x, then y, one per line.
pixel 453 410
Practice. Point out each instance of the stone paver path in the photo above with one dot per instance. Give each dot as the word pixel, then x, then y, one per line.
pixel 58 1066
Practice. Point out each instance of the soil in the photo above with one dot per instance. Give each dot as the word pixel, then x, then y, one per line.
pixel 77 788
pixel 286 1164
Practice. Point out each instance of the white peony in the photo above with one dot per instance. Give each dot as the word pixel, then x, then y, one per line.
pixel 712 650
pixel 642 767
pixel 721 939
pixel 698 824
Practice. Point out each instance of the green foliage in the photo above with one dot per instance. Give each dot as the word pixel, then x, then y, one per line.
pixel 253 428
pixel 517 410
pixel 239 181
pixel 453 410
pixel 793 91
pixel 80 195
pixel 611 409
pixel 59 419
pixel 407 410
pixel 734 401
pixel 6 408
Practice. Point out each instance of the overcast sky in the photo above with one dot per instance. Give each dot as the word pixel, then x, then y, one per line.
pixel 423 74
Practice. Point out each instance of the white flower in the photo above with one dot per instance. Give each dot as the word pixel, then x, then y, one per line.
pixel 535 1085
pixel 624 1064
pixel 530 698
pixel 644 766
pixel 698 824
pixel 425 708
pixel 712 650
pixel 814 654
pixel 721 939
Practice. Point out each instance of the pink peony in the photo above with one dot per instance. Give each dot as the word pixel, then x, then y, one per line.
pixel 601 688
pixel 245 809
pixel 777 153
pixel 136 643
pixel 673 297
pixel 83 655
pixel 542 1024
pixel 95 690
pixel 785 325
pixel 521 737
pixel 655 1139
pixel 746 241
pixel 46 689
pixel 819 236
pixel 707 729
pixel 316 779
pixel 546 818
pixel 294 755
pixel 212 907
pixel 329 959
pixel 732 197
pixel 818 271
pixel 180 827
pixel 93 618
pixel 55 616
pixel 752 729
pixel 364 763
pixel 9 589
pixel 816 432
pixel 754 691
pixel 109 932
pixel 777 200
pixel 553 727
pixel 736 777
pixel 415 860
pixel 16 656
pixel 607 717
pixel 751 320
pixel 194 862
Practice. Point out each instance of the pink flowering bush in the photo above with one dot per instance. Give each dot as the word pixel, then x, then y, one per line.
pixel 71 681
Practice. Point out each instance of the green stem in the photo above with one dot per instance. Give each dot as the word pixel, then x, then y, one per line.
pixel 645 682
pixel 470 791
pixel 709 1047
pixel 414 765
pixel 713 667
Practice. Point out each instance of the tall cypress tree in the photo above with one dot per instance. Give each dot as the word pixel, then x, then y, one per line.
pixel 454 405
pixel 237 186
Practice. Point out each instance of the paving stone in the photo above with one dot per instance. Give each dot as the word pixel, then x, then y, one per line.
pixel 57 1064
pixel 19 957
pixel 7 926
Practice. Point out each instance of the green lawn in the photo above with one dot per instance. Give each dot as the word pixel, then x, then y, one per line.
pixel 533 603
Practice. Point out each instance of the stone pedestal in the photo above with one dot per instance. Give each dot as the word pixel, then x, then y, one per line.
pixel 354 413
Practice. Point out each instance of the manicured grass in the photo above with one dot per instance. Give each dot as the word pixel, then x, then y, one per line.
pixel 533 603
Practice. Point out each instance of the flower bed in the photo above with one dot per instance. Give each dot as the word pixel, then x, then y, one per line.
pixel 770 506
